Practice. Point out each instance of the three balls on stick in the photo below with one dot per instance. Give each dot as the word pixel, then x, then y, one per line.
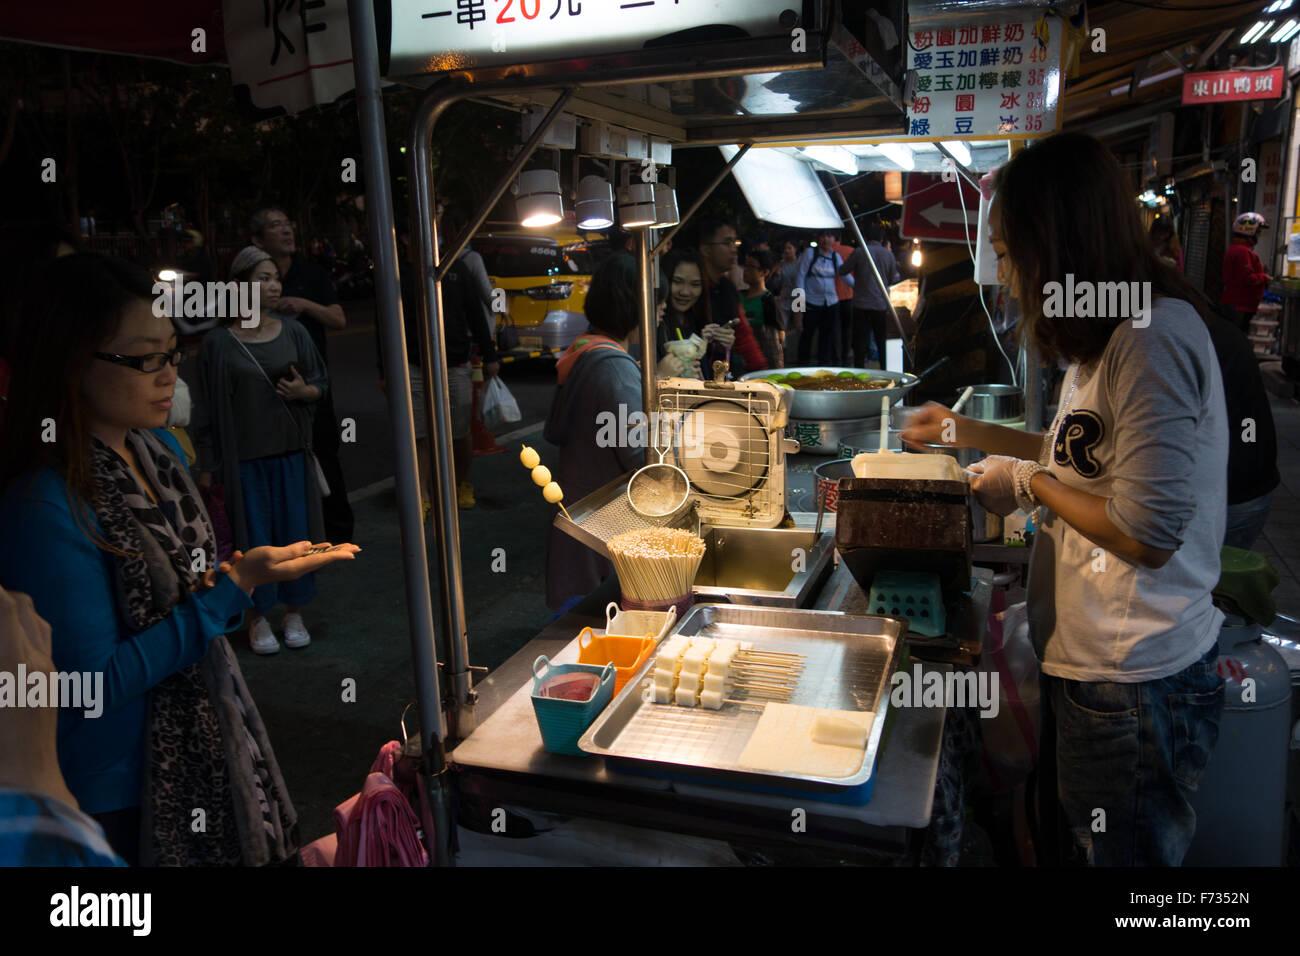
pixel 551 491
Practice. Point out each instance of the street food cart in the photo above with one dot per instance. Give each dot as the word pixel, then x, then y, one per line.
pixel 741 72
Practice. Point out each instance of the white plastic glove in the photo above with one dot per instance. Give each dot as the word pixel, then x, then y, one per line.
pixel 994 483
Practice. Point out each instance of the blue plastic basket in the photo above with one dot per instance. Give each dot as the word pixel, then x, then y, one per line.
pixel 562 722
pixel 914 595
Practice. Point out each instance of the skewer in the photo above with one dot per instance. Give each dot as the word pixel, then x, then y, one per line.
pixel 751 652
pixel 565 510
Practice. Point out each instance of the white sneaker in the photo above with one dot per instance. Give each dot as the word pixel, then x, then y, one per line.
pixel 295 632
pixel 262 638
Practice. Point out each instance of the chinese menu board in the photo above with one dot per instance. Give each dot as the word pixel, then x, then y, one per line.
pixel 431 36
pixel 985 80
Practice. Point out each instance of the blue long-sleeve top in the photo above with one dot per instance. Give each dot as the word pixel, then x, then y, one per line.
pixel 71 582
pixel 815 274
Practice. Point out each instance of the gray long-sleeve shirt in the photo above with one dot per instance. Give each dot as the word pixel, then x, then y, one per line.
pixel 867 293
pixel 1146 429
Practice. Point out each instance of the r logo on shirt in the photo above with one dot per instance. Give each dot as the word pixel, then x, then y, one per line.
pixel 1080 433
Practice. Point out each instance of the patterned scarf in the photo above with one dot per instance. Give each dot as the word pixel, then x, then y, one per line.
pixel 208 750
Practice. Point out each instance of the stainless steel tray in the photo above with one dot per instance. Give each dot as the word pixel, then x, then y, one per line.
pixel 606 512
pixel 849 661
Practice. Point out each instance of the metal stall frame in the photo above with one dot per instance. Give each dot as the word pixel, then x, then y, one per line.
pixel 535 82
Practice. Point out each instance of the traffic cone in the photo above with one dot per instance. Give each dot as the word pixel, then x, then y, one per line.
pixel 484 442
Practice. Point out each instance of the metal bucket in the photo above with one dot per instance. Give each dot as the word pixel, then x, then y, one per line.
pixel 995 403
pixel 828 478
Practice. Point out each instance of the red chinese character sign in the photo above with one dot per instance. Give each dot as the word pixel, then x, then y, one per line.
pixel 433 36
pixel 932 208
pixel 1226 86
pixel 983 80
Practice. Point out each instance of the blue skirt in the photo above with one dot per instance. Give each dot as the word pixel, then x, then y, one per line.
pixel 275 513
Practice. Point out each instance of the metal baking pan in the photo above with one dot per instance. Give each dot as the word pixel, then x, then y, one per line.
pixel 849 662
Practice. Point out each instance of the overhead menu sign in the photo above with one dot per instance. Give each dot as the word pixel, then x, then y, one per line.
pixel 433 36
pixel 1225 86
pixel 977 79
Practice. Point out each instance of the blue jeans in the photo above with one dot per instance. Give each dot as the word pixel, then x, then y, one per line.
pixel 1246 521
pixel 1118 763
pixel 275 513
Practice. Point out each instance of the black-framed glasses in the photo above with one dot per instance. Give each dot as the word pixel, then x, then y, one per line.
pixel 153 362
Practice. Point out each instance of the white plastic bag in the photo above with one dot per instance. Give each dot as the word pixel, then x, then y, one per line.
pixel 1011 738
pixel 498 404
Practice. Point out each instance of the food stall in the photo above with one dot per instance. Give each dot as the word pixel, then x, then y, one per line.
pixel 776 717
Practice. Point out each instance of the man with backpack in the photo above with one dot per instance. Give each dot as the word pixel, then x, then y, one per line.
pixel 815 275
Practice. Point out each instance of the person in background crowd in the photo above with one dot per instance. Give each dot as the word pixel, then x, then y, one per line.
pixel 782 284
pixel 1244 278
pixel 596 375
pixel 40 823
pixel 718 256
pixel 101 529
pixel 468 322
pixel 816 274
pixel 258 388
pixel 307 293
pixel 870 301
pixel 844 290
pixel 1252 437
pixel 760 308
pixel 194 261
pixel 1133 473
pixel 1165 241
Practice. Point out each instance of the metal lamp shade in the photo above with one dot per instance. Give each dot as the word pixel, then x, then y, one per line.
pixel 539 201
pixel 595 206
pixel 665 205
pixel 636 205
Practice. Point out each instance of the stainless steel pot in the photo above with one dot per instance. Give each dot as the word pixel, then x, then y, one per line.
pixel 828 480
pixel 834 406
pixel 824 438
pixel 995 403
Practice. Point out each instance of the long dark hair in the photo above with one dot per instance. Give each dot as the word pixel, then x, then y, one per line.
pixel 1065 206
pixel 699 315
pixel 612 296
pixel 71 307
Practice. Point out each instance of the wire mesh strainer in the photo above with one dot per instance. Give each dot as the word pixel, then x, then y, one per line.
pixel 658 489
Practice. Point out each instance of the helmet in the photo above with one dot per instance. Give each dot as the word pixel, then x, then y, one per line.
pixel 1248 224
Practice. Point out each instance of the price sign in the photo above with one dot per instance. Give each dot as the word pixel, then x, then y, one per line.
pixel 433 36
pixel 976 79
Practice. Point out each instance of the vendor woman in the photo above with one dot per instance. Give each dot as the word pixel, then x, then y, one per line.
pixel 1130 490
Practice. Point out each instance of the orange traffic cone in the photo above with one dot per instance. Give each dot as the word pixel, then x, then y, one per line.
pixel 484 442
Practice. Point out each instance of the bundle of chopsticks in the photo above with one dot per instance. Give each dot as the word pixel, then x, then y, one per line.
pixel 656 564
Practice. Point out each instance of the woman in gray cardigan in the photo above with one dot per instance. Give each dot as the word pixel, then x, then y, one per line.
pixel 258 389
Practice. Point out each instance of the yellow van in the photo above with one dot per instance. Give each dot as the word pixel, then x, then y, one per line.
pixel 545 277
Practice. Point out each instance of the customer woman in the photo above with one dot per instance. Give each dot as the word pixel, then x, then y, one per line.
pixel 104 529
pixel 1130 489
pixel 259 381
pixel 597 378
pixel 685 312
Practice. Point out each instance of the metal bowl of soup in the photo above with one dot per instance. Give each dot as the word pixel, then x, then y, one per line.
pixel 839 394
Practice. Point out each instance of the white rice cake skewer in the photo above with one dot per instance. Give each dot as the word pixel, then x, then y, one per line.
pixel 712 699
pixel 685 697
pixel 693 661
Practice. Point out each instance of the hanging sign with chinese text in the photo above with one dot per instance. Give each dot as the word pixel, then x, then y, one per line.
pixel 1226 86
pixel 434 36
pixel 985 80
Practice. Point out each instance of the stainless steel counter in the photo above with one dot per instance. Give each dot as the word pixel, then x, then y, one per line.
pixel 503 762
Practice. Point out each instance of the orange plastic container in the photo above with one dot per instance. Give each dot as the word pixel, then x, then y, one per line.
pixel 627 654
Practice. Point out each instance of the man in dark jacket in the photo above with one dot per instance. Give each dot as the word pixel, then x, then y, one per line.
pixel 1252 438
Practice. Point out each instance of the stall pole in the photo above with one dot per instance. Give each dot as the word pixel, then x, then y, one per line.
pixel 436 778
pixel 699 201
pixel 649 318
pixel 852 221
pixel 433 353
